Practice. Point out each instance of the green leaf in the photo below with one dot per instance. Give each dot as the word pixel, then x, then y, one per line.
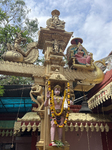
pixel 1 90
pixel 59 143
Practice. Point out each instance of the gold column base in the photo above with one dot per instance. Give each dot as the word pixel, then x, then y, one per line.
pixel 40 145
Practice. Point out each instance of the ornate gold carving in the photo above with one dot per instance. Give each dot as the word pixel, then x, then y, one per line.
pixel 56 61
pixel 23 127
pixel 97 127
pixel 29 127
pixel 57 76
pixel 37 91
pixel 87 127
pixel 7 132
pixel 106 128
pixel 55 22
pixel 34 127
pixel 100 75
pixel 101 97
pixel 76 127
pixel 73 61
pixel 84 67
pixel 56 46
pixel 3 133
pixel 86 86
pixel 11 132
pixel 71 127
pixel 102 127
pixel 81 127
pixel 17 127
pixel 21 69
pixel 39 127
pixel 88 117
pixel 92 127
pixel 17 54
pixel 84 76
pixel 72 54
pixel 54 67
pixel 66 127
pixel 30 116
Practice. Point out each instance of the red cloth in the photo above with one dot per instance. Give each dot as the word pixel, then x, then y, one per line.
pixel 83 60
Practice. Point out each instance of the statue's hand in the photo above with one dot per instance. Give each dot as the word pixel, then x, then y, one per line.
pixel 48 95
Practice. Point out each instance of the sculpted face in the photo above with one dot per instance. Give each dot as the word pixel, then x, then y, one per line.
pixel 80 48
pixel 57 91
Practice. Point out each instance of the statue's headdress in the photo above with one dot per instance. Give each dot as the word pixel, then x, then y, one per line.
pixel 58 87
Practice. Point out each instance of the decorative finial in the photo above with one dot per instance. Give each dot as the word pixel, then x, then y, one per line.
pixel 76 41
pixel 57 70
pixel 55 12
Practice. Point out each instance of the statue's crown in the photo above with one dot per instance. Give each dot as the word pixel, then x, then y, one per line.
pixel 55 12
pixel 58 87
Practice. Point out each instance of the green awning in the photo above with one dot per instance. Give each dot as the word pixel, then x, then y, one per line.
pixel 7 124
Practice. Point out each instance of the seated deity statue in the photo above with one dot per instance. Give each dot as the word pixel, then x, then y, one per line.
pixel 82 58
pixel 55 22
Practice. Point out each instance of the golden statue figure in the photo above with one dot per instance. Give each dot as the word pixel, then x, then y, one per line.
pixel 17 54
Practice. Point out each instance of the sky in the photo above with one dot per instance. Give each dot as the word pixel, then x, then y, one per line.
pixel 90 20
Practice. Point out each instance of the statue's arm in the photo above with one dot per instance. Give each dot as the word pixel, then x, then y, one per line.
pixel 46 101
pixel 71 102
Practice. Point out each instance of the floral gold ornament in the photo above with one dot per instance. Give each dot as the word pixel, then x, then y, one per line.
pixel 53 107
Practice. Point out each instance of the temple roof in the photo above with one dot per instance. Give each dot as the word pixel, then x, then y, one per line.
pixel 30 70
pixel 74 117
pixel 21 69
pixel 30 116
pixel 78 74
pixel 101 94
pixel 82 117
pixel 76 121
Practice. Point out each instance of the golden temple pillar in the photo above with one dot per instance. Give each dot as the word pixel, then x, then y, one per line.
pixel 40 144
pixel 52 40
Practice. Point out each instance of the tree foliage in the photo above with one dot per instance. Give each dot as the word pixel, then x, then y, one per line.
pixel 14 18
pixel 11 80
pixel 1 90
pixel 16 14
